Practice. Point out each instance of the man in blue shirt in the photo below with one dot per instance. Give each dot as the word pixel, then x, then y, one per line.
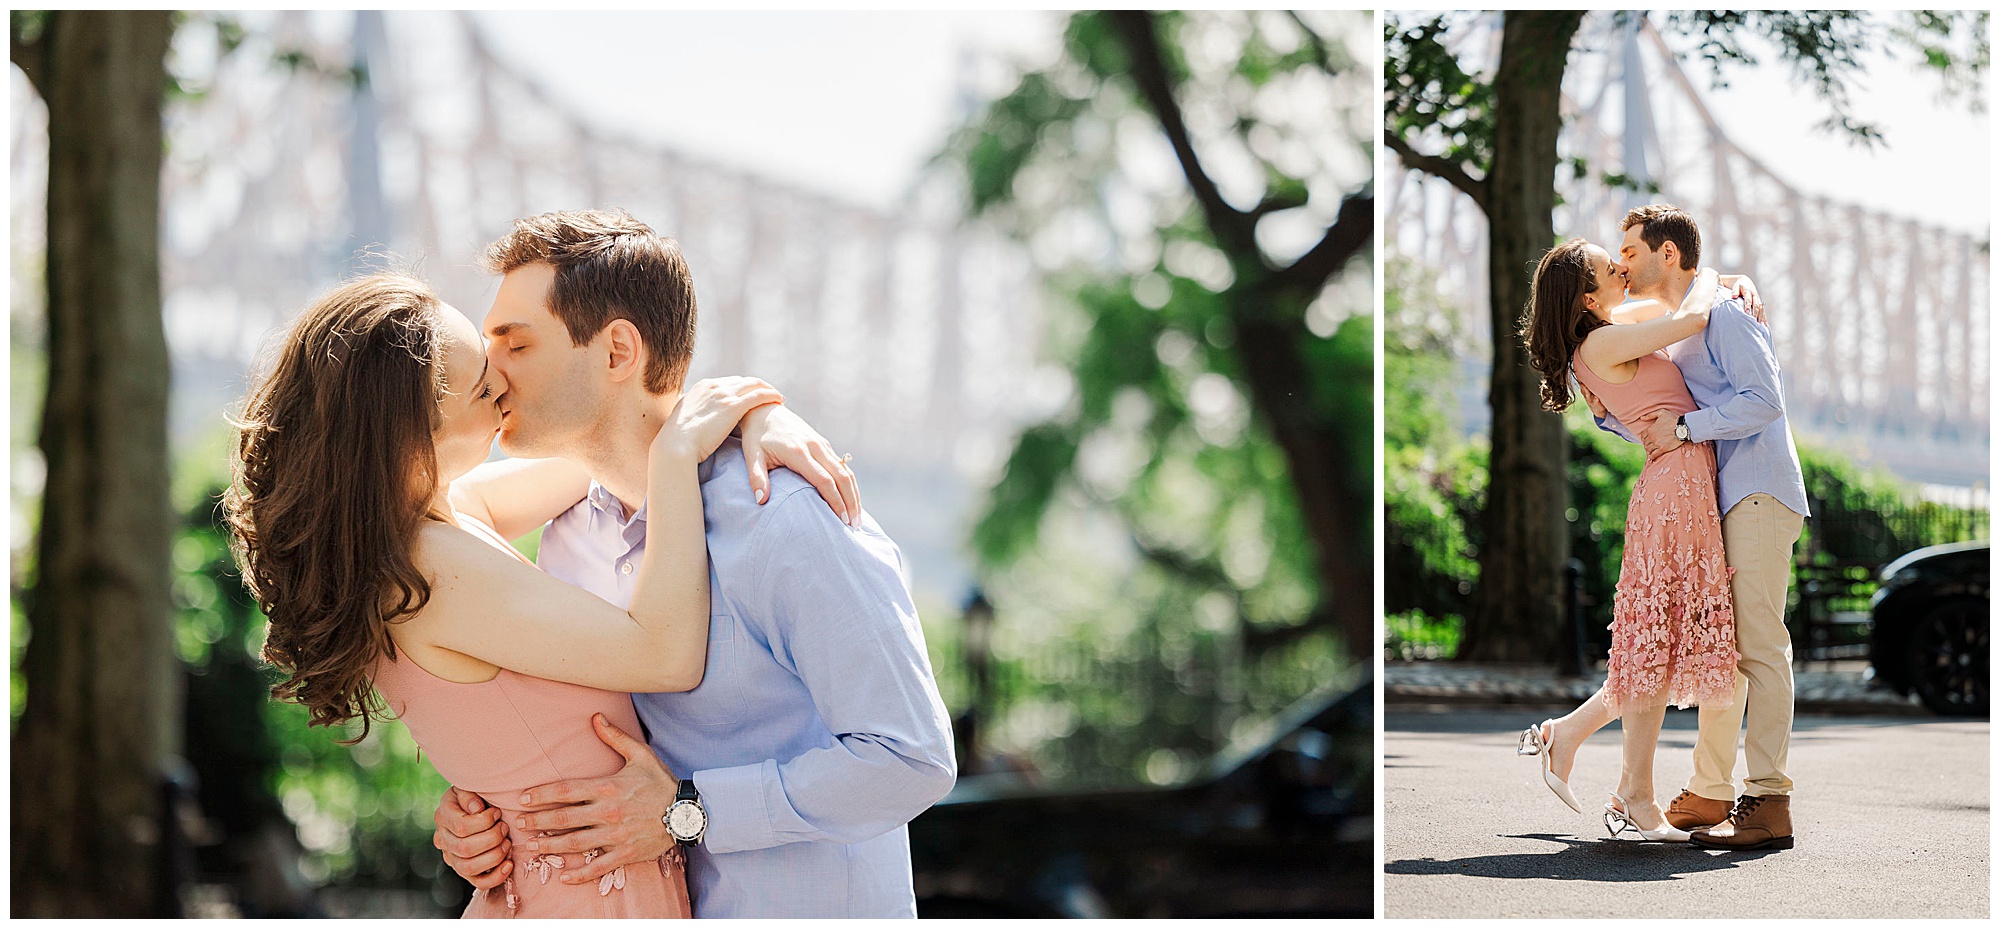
pixel 817 732
pixel 1732 373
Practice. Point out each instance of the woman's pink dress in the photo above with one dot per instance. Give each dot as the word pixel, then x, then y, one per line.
pixel 1673 625
pixel 500 737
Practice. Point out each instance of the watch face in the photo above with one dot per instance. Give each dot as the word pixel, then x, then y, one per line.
pixel 686 819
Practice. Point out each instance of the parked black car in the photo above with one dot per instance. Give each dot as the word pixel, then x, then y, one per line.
pixel 1931 615
pixel 1279 825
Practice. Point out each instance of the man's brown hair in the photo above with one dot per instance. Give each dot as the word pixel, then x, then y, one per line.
pixel 1662 222
pixel 610 266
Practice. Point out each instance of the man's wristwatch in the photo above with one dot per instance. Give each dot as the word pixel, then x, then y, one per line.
pixel 687 819
pixel 1681 428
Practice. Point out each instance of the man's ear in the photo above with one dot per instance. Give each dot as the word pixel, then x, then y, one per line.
pixel 625 351
pixel 1671 254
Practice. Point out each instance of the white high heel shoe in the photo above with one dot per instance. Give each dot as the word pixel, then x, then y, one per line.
pixel 1533 743
pixel 1616 820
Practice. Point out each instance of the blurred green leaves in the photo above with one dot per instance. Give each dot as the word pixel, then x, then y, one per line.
pixel 1434 485
pixel 1211 324
pixel 1426 88
pixel 1015 128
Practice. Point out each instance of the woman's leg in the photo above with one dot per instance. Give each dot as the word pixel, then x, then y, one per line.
pixel 1635 775
pixel 1571 731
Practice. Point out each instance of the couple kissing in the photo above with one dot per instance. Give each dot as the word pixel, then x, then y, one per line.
pixel 709 695
pixel 1678 358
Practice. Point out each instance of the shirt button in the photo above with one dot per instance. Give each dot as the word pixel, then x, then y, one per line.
pixel 625 568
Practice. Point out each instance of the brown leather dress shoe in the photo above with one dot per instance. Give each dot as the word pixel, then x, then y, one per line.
pixel 1757 823
pixel 1691 811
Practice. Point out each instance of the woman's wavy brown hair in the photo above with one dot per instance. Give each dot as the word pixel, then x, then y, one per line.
pixel 336 469
pixel 1557 321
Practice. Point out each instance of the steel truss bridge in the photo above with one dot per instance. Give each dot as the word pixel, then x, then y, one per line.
pixel 901 333
pixel 1881 322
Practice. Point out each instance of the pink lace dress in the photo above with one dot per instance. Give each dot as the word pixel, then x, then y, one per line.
pixel 500 737
pixel 1673 624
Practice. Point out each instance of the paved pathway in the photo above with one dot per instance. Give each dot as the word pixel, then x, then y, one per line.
pixel 1892 817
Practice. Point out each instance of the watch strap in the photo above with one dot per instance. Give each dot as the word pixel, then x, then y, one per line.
pixel 689 794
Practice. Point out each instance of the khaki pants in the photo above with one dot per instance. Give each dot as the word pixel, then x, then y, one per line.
pixel 1757 538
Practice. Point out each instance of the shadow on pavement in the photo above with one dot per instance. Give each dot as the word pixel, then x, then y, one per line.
pixel 1615 861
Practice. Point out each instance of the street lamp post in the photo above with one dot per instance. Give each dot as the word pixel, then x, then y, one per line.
pixel 978 651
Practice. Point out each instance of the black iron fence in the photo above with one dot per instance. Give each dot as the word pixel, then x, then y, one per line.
pixel 1150 706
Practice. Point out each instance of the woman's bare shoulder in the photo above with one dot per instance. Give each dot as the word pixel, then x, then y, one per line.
pixel 441 547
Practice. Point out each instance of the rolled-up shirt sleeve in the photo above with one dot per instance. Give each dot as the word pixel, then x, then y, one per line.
pixel 839 615
pixel 1741 348
pixel 1610 423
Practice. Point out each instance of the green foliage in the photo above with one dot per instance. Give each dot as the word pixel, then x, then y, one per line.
pixel 1436 105
pixel 1419 338
pixel 1442 115
pixel 1144 544
pixel 1956 45
pixel 1428 89
pixel 1434 483
pixel 1432 499
pixel 1431 502
pixel 1102 679
pixel 1414 636
pixel 1820 45
pixel 1868 517
pixel 362 812
pixel 1015 127
pixel 26 26
pixel 1433 480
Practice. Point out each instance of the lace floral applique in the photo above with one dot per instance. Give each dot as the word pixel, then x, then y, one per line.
pixel 545 866
pixel 1673 629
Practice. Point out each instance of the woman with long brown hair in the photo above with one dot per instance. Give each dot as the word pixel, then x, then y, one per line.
pixel 378 578
pixel 1673 632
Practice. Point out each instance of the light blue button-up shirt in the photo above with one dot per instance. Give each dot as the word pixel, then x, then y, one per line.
pixel 1732 373
pixel 817 732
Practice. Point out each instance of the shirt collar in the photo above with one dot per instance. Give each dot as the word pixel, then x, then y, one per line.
pixel 604 505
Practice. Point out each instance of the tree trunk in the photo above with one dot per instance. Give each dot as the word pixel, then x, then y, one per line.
pixel 1320 456
pixel 1267 311
pixel 100 665
pixel 1517 611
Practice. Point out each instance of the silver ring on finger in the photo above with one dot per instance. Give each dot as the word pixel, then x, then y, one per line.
pixel 846 458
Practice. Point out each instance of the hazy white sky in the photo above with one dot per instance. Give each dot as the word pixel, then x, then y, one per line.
pixel 853 103
pixel 1936 165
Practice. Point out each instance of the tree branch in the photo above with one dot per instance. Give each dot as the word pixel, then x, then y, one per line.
pixel 1230 226
pixel 1314 42
pixel 1174 562
pixel 1260 639
pixel 1352 230
pixel 1256 639
pixel 1438 167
